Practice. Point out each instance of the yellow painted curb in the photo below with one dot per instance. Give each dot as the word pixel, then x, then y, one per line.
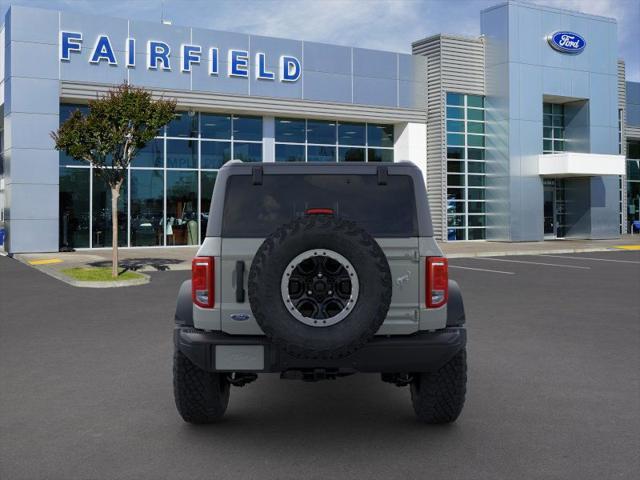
pixel 628 247
pixel 47 261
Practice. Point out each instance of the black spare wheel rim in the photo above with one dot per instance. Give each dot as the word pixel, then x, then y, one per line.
pixel 320 287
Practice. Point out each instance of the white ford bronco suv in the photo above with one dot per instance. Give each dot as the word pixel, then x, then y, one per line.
pixel 317 271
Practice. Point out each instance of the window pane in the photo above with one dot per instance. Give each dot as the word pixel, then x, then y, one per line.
pixel 351 133
pixel 475 101
pixel 214 154
pixel 547 145
pixel 455 167
pixel 380 135
pixel 455 152
pixel 289 153
pixel 207 182
pixel 476 193
pixel 455 207
pixel 476 167
pixel 351 154
pixel 475 140
pixel 67 160
pixel 475 153
pixel 454 112
pixel 321 154
pixel 183 125
pixel 455 139
pixel 558 133
pixel 455 126
pixel 74 207
pixel 546 108
pixel 319 131
pixel 633 149
pixel 151 155
pixel 557 108
pixel 455 193
pixel 66 109
pixel 182 208
pixel 247 152
pixel 455 180
pixel 215 126
pixel 455 98
pixel 476 234
pixel 547 120
pixel 146 207
pixel 547 132
pixel 558 145
pixel 380 155
pixel 247 128
pixel 476 207
pixel 476 180
pixel 182 154
pixel 633 169
pixel 475 127
pixel 455 221
pixel 477 115
pixel 455 234
pixel 290 130
pixel 102 229
pixel 476 220
pixel 558 121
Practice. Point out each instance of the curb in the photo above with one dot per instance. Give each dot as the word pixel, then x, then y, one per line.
pixel 529 252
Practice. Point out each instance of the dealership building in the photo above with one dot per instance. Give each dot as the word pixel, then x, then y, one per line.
pixel 525 133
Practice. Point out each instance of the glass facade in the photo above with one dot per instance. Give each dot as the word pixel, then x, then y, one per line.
pixel 552 128
pixel 166 197
pixel 300 140
pixel 465 130
pixel 633 184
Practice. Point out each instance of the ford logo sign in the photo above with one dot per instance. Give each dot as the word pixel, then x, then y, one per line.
pixel 240 317
pixel 567 42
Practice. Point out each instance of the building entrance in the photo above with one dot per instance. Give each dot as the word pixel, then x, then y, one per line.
pixel 555 208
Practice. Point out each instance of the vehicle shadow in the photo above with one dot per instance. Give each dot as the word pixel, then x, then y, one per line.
pixel 134 264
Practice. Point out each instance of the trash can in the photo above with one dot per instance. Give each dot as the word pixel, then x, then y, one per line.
pixel 1 236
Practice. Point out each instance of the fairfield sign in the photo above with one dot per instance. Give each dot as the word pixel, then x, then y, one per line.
pixel 159 56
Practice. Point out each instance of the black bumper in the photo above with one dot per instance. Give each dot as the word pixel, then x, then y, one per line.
pixel 419 352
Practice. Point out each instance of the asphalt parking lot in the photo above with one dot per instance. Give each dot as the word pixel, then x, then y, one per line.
pixel 554 387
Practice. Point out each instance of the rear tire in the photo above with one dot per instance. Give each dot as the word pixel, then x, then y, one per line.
pixel 201 397
pixel 438 397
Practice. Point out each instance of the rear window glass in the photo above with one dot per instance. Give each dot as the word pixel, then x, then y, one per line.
pixel 257 210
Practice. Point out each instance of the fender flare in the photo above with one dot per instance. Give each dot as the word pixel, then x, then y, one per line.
pixel 184 306
pixel 455 306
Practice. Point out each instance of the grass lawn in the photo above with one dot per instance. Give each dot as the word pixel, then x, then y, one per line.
pixel 98 274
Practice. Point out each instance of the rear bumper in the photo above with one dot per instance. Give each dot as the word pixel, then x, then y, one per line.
pixel 420 352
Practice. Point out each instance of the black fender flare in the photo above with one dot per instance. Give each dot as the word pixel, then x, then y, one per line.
pixel 184 306
pixel 455 306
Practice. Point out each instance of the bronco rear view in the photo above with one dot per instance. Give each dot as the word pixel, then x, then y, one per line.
pixel 318 271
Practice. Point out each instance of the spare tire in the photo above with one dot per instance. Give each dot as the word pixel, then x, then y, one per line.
pixel 320 287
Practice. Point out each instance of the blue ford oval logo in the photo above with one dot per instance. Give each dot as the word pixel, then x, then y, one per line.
pixel 240 317
pixel 567 42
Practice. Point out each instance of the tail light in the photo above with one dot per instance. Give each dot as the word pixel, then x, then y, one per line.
pixel 437 282
pixel 319 211
pixel 202 281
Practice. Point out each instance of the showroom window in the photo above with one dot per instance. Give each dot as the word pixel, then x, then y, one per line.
pixel 633 183
pixel 166 197
pixel 300 140
pixel 552 128
pixel 465 130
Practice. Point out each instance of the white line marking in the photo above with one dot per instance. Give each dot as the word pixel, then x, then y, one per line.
pixel 532 263
pixel 591 258
pixel 481 269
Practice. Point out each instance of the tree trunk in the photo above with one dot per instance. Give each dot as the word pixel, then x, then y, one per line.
pixel 115 193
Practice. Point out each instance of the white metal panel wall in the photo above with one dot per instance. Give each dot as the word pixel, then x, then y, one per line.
pixel 454 64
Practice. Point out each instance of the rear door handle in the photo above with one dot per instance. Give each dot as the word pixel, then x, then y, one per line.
pixel 240 281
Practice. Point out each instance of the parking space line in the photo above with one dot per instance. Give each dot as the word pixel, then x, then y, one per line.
pixel 481 270
pixel 591 258
pixel 531 263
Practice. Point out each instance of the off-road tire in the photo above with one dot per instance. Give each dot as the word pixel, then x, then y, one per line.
pixel 317 232
pixel 201 396
pixel 438 397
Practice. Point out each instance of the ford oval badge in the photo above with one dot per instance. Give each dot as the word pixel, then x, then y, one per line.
pixel 240 317
pixel 567 42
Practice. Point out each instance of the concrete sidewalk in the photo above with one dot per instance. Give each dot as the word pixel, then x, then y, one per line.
pixel 179 258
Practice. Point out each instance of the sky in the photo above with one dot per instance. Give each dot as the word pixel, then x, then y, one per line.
pixel 378 24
